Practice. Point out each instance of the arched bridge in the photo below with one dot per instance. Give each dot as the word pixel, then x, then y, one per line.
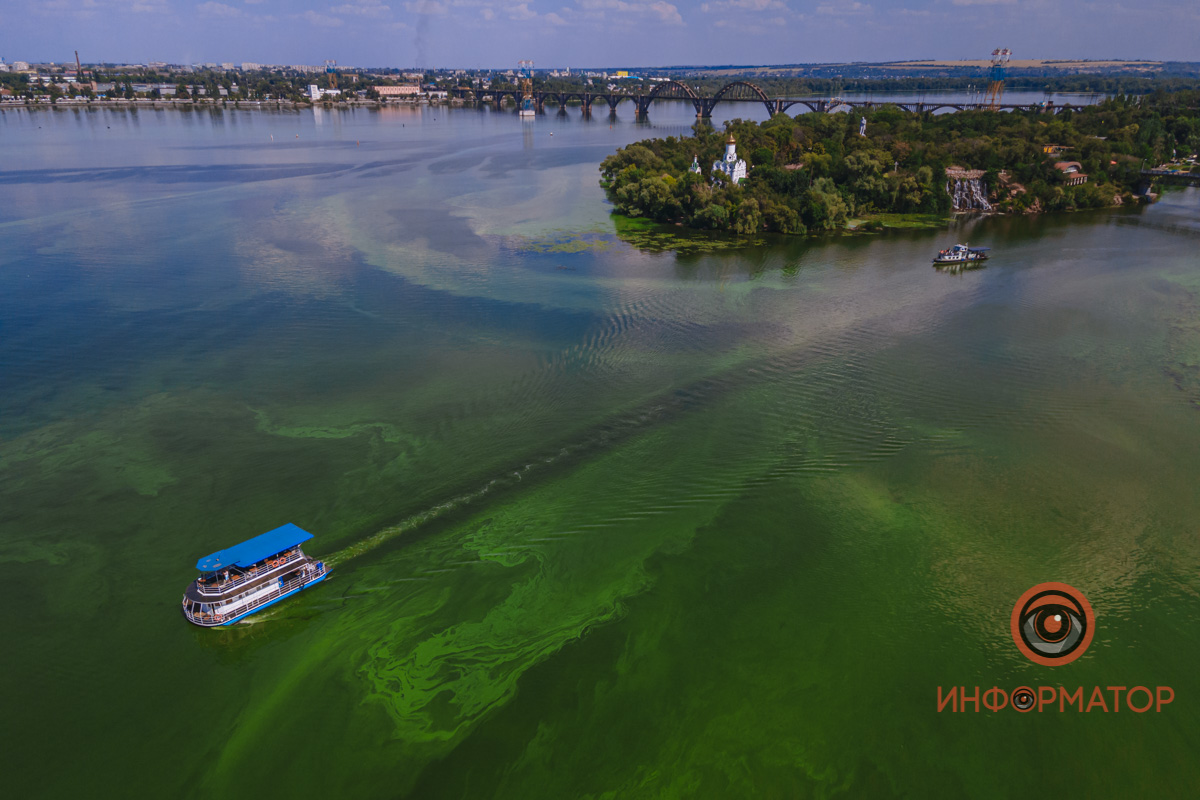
pixel 736 91
pixel 670 90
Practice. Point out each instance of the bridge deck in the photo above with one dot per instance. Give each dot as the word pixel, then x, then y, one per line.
pixel 744 91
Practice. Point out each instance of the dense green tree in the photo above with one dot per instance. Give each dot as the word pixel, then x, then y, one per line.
pixel 713 217
pixel 814 171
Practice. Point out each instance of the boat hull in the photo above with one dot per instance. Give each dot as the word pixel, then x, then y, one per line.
pixel 265 606
pixel 237 616
pixel 969 260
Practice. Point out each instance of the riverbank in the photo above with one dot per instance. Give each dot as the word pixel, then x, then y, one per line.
pixel 830 172
pixel 880 222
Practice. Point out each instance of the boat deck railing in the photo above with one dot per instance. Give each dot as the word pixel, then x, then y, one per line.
pixel 212 618
pixel 216 589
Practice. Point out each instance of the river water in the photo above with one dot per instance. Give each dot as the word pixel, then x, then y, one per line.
pixel 605 520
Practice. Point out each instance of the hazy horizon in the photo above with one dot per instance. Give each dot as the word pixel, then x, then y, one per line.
pixel 494 34
pixel 578 68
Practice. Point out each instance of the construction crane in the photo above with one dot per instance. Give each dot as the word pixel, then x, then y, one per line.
pixel 527 109
pixel 996 77
pixel 331 71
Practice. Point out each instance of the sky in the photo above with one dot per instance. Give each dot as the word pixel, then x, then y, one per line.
pixel 591 33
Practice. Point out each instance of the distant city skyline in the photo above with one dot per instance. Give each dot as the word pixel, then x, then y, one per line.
pixel 592 33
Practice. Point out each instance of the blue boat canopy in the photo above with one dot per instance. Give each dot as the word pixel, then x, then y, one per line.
pixel 254 550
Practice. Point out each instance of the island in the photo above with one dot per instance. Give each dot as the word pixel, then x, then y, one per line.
pixel 867 170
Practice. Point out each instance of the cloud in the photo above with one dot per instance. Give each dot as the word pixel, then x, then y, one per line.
pixel 520 11
pixel 427 7
pixel 983 2
pixel 665 12
pixel 490 10
pixel 322 20
pixel 363 8
pixel 741 27
pixel 86 8
pixel 745 5
pixel 844 9
pixel 219 10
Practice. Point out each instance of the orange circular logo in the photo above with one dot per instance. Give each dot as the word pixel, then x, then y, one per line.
pixel 1052 624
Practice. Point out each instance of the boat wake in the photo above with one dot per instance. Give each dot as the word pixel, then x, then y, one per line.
pixel 608 434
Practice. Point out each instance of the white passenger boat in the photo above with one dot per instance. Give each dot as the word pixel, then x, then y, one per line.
pixel 248 577
pixel 961 254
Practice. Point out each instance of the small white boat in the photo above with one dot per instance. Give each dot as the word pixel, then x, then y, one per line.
pixel 961 254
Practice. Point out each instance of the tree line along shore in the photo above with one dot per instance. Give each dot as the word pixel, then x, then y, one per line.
pixel 815 172
pixel 42 83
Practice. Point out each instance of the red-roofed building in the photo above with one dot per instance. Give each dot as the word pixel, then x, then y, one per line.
pixel 1070 171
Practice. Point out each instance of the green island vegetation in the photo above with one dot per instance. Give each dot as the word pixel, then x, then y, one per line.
pixel 815 173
